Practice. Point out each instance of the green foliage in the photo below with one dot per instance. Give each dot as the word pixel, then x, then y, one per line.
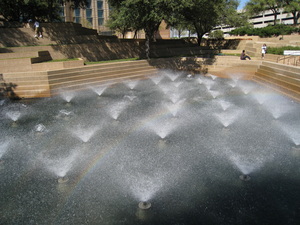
pixel 198 16
pixel 268 31
pixel 279 50
pixel 43 10
pixel 255 7
pixel 217 34
pixel 204 15
pixel 292 7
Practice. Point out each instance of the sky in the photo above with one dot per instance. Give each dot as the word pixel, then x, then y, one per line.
pixel 242 4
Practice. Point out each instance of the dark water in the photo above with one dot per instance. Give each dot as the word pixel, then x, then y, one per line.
pixel 176 144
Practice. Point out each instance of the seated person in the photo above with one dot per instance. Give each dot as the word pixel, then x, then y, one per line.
pixel 244 56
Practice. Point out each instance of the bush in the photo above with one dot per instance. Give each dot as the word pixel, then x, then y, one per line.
pixel 279 51
pixel 217 34
pixel 268 31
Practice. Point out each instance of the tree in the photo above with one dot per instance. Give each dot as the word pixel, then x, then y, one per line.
pixel 142 14
pixel 217 34
pixel 204 15
pixel 45 10
pixel 118 22
pixel 255 7
pixel 11 10
pixel 293 6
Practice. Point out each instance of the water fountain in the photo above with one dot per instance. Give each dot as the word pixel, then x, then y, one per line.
pixel 246 87
pixel 84 134
pixel 208 83
pixel 292 131
pixel 170 149
pixel 99 89
pixel 214 94
pixel 228 117
pixel 156 79
pixel 131 83
pixel 3 149
pixel 144 205
pixel 60 167
pixel 117 108
pixel 175 107
pixel 224 104
pixel 68 95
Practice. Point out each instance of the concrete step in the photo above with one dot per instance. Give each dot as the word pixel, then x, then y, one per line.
pixel 276 87
pixel 15 65
pixel 86 83
pixel 271 57
pixel 57 65
pixel 294 69
pixel 18 55
pixel 97 68
pixel 286 79
pixel 280 79
pixel 274 70
pixel 96 75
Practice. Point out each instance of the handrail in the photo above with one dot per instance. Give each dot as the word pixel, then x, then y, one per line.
pixel 298 61
pixel 291 60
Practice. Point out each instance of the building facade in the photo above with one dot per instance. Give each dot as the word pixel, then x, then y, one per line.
pixel 264 19
pixel 258 21
pixel 94 16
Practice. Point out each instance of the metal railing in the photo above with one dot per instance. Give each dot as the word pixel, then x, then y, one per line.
pixel 293 60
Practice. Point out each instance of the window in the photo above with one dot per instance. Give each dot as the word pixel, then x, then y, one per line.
pixel 100 13
pixel 100 21
pixel 88 13
pixel 100 4
pixel 77 16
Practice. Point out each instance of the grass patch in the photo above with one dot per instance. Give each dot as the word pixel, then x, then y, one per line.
pixel 61 60
pixel 228 54
pixel 16 58
pixel 279 50
pixel 111 61
pixel 28 46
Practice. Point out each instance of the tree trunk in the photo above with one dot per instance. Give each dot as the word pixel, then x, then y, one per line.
pixel 199 37
pixel 147 47
pixel 296 16
pixel 275 16
pixel 135 34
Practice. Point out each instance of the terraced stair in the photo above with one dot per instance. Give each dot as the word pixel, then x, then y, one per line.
pixel 94 75
pixel 49 83
pixel 227 66
pixel 22 61
pixel 282 78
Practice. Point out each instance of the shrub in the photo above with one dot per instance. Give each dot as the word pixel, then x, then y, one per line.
pixel 268 31
pixel 279 50
pixel 217 34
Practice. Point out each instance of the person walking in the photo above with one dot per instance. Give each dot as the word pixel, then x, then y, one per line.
pixel 38 31
pixel 263 51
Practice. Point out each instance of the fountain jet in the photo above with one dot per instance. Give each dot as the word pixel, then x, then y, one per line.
pixel 99 89
pixel 245 177
pixel 13 115
pixel 227 118
pixel 63 180
pixel 131 83
pixel 67 96
pixel 85 134
pixel 144 205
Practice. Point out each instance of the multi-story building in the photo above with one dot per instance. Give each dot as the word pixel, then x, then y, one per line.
pixel 264 19
pixel 95 15
pixel 258 21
